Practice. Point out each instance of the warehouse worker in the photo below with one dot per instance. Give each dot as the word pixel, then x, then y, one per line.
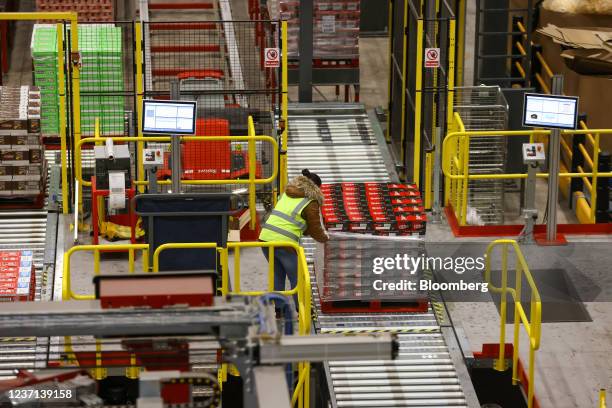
pixel 297 212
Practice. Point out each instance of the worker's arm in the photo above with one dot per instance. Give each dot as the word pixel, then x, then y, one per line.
pixel 314 222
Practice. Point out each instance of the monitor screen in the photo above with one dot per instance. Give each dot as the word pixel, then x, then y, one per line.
pixel 169 117
pixel 550 111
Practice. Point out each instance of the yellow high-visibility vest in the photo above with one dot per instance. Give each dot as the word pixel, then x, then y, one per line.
pixel 285 222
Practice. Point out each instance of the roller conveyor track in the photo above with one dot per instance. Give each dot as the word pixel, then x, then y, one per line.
pixel 341 145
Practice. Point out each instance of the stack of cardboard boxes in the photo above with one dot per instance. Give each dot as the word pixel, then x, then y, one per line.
pixel 22 169
pixel 17 276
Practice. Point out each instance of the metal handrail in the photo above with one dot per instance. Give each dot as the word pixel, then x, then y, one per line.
pixel 302 290
pixel 68 294
pixel 452 156
pixel 532 325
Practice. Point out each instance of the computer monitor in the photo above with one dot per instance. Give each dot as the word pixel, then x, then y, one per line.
pixel 168 117
pixel 550 111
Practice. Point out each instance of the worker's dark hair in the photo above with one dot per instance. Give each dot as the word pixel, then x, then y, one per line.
pixel 312 176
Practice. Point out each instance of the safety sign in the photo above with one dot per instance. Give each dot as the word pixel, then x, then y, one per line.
pixel 271 58
pixel 432 58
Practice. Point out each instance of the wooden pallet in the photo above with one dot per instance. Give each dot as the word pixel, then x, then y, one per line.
pixel 375 306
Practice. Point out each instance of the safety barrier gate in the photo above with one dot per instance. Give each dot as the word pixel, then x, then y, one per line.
pixel 251 180
pixel 531 324
pixel 302 290
pixel 456 171
pixel 578 151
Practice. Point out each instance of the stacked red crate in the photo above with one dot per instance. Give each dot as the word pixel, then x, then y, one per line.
pixel 88 10
pixel 17 276
pixel 374 208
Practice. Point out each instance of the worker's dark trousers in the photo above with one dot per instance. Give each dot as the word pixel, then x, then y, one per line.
pixel 285 266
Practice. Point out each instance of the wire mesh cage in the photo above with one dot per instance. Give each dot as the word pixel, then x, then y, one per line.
pixel 220 65
pixel 485 108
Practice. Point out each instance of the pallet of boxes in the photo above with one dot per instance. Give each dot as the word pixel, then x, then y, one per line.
pixel 367 223
pixel 17 277
pixel 22 167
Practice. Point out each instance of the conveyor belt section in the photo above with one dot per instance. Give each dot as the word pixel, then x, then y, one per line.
pixel 337 143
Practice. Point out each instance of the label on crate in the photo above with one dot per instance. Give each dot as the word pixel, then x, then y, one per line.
pixel 328 24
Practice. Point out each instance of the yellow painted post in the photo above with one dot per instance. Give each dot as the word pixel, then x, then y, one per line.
pixel 237 269
pixel 465 161
pixel 416 170
pixel 500 364
pixel 427 190
pixel 517 303
pixel 403 88
pixel 96 261
pixel 252 168
pixel 138 60
pixel 390 4
pixel 133 370
pixel 451 71
pixel 595 171
pixel 61 84
pixel 130 261
pixel 284 107
pixel 224 271
pixel 602 398
pixel 271 268
pixel 99 372
pixel 75 71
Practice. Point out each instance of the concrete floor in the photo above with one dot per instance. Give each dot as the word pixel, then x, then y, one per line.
pixel 575 359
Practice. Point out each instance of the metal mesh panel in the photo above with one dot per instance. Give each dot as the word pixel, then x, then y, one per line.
pixel 220 65
pixel 107 90
pixel 419 92
pixel 485 108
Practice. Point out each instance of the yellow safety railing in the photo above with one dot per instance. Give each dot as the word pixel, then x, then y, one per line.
pixel 251 139
pixel 456 157
pixel 302 290
pixel 67 292
pixel 531 324
pixel 284 108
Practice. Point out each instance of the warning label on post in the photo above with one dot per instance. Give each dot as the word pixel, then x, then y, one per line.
pixel 271 58
pixel 432 58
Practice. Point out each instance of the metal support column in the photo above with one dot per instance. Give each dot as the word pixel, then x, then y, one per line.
pixel 553 168
pixel 305 50
pixel 175 152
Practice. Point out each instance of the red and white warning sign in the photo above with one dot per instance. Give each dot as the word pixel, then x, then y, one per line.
pixel 271 58
pixel 432 58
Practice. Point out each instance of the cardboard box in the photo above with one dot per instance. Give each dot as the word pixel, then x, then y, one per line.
pixel 595 92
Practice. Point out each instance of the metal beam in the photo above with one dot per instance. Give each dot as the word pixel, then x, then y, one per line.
pixel 554 148
pixel 305 50
pixel 382 346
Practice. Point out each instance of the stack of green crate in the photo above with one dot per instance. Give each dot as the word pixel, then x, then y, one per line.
pixel 44 59
pixel 102 83
pixel 101 77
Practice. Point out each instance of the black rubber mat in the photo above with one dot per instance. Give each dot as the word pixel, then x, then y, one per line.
pixel 560 299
